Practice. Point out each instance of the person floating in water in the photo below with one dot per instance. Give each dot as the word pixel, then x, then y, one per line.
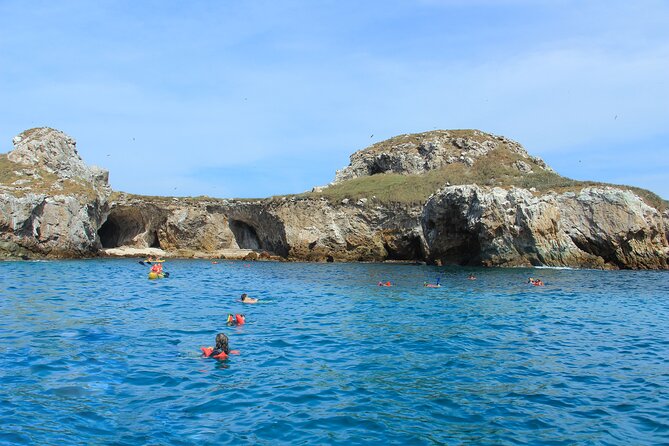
pixel 385 283
pixel 535 282
pixel 248 300
pixel 236 319
pixel 471 277
pixel 221 350
pixel 433 285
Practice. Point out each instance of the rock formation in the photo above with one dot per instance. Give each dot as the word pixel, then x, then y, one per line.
pixel 418 153
pixel 596 228
pixel 54 205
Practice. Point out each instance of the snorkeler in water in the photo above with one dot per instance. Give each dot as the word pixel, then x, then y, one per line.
pixel 222 349
pixel 236 319
pixel 248 300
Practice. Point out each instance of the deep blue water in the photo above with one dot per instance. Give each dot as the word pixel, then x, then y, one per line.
pixel 92 352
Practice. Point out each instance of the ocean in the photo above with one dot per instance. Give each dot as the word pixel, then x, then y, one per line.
pixel 92 352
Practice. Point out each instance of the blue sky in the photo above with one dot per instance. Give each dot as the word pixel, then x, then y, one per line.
pixel 257 98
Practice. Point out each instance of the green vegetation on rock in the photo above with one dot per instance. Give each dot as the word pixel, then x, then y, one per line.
pixel 494 170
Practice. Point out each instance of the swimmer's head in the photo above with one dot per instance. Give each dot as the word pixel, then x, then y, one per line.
pixel 244 296
pixel 222 342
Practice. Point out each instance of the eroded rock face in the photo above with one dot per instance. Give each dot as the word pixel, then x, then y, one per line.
pixel 318 230
pixel 55 152
pixel 302 229
pixel 600 228
pixel 57 204
pixel 39 225
pixel 617 226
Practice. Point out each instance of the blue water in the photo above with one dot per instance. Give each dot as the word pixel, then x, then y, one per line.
pixel 91 352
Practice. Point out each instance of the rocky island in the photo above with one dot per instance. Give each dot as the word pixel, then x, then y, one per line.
pixel 447 197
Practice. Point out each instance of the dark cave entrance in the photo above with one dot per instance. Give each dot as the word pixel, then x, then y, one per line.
pixel 245 235
pixel 467 252
pixel 407 249
pixel 375 169
pixel 120 228
pixel 456 243
pixel 109 234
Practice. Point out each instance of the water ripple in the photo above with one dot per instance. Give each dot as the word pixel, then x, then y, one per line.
pixel 328 357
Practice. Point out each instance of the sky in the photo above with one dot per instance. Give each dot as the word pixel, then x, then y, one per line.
pixel 241 98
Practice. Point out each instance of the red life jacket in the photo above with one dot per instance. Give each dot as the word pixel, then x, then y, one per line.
pixel 208 351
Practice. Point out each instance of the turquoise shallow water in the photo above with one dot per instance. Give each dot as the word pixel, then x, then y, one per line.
pixel 91 352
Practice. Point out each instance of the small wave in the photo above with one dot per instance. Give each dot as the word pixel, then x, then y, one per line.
pixel 558 268
pixel 331 361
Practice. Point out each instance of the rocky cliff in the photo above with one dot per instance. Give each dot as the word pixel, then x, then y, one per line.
pixel 457 197
pixel 596 228
pixel 51 203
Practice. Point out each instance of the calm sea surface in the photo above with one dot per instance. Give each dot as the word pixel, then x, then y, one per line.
pixel 92 352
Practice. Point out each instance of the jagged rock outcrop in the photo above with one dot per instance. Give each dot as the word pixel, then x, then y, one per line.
pixel 597 227
pixel 54 204
pixel 418 153
pixel 55 152
pixel 616 226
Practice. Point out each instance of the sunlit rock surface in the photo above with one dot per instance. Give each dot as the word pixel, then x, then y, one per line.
pixel 53 205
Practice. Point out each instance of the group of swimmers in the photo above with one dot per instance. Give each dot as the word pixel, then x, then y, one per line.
pixel 221 349
pixel 533 281
pixel 426 284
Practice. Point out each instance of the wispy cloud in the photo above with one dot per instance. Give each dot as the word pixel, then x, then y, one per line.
pixel 183 90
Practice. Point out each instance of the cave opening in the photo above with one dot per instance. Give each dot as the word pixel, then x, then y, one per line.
pixel 408 249
pixel 109 233
pixel 457 243
pixel 121 228
pixel 375 169
pixel 469 250
pixel 155 243
pixel 245 235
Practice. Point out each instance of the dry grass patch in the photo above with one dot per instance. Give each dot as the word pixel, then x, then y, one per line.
pixel 42 183
pixel 495 170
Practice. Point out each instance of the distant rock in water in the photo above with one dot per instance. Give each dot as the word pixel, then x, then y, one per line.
pixel 446 197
